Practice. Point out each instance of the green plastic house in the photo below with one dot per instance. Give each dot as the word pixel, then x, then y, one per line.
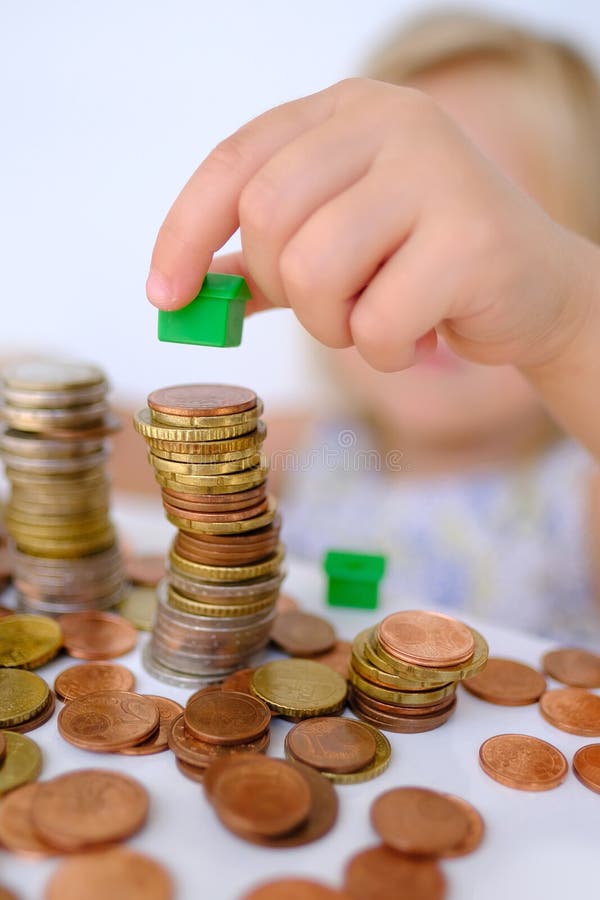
pixel 213 319
pixel 353 578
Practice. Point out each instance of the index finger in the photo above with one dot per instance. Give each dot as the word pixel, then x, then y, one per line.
pixel 205 214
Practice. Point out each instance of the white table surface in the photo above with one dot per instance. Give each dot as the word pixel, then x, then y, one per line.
pixel 536 845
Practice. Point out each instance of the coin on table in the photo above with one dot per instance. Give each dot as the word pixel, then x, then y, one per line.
pixel 22 763
pixel 28 641
pixel 194 773
pixel 294 889
pixel 523 762
pixel 114 873
pixel 145 570
pixel 573 666
pixel 475 830
pixel 574 710
pixel 426 638
pixel 380 873
pixel 40 717
pixel 302 634
pixel 139 606
pixel 96 635
pixel 299 687
pixel 108 720
pixel 377 766
pixel 507 682
pixel 337 658
pixel 168 711
pixel 418 820
pixel 89 807
pixel 228 717
pixel 287 603
pixel 23 695
pixel 200 754
pixel 89 678
pixel 332 744
pixel 238 681
pixel 586 766
pixel 17 833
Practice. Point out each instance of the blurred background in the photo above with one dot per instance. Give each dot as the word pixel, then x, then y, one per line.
pixel 106 110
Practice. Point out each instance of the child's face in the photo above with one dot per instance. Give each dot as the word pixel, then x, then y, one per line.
pixel 446 400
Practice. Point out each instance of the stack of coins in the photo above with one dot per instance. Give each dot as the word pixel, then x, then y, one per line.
pixel 404 672
pixel 27 701
pixel 63 548
pixel 216 605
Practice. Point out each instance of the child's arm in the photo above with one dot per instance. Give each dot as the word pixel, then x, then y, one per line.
pixel 366 210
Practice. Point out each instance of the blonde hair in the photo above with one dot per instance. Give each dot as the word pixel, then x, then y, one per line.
pixel 439 40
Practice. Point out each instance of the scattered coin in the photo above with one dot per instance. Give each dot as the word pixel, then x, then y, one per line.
pixel 572 709
pixel 507 683
pixel 418 820
pixel 200 754
pixel 227 717
pixel 22 763
pixel 475 830
pixel 108 720
pixel 426 638
pixel 145 570
pixel 114 873
pixel 89 678
pixel 331 744
pixel 523 762
pixel 299 687
pixel 168 711
pixel 287 603
pixel 238 681
pixel 40 718
pixel 294 889
pixel 23 695
pixel 87 808
pixel 338 658
pixel 586 766
pixel 573 666
pixel 28 641
pixel 17 833
pixel 194 773
pixel 96 635
pixel 138 606
pixel 380 873
pixel 302 634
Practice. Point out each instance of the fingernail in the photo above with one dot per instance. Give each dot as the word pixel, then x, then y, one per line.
pixel 159 291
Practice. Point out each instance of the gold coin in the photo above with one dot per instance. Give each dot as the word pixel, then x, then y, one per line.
pixel 49 374
pixel 217 610
pixel 247 479
pixel 248 417
pixel 166 450
pixel 424 675
pixel 67 549
pixel 167 481
pixel 196 467
pixel 28 641
pixel 372 673
pixel 221 449
pixel 23 696
pixel 377 766
pixel 22 763
pixel 241 525
pixel 144 424
pixel 139 607
pixel 404 698
pixel 229 573
pixel 299 687
pixel 64 531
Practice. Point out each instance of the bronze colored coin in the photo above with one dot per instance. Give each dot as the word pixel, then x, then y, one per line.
pixel 145 570
pixel 475 830
pixel 108 720
pixel 338 658
pixel 40 718
pixel 256 538
pixel 586 766
pixel 97 635
pixel 89 678
pixel 301 634
pixel 168 711
pixel 114 873
pixel 200 753
pixel 218 516
pixel 332 744
pixel 287 603
pixel 572 709
pixel 227 718
pixel 6 565
pixel 261 796
pixel 194 773
pixel 17 833
pixel 238 681
pixel 426 638
pixel 2 747
pixel 202 400
pixel 523 762
pixel 507 682
pixel 89 807
pixel 207 689
pixel 380 873
pixel 5 611
pixel 572 666
pixel 418 820
pixel 294 889
pixel 405 724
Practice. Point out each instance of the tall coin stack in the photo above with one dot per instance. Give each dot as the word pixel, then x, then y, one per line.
pixel 53 442
pixel 404 672
pixel 217 603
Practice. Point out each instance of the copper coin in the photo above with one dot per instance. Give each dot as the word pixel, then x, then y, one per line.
pixel 228 717
pixel 332 744
pixel 194 773
pixel 115 873
pixel 301 634
pixel 89 807
pixel 418 820
pixel 207 689
pixel 168 711
pixel 261 796
pixel 189 749
pixel 426 638
pixel 507 682
pixel 294 889
pixel 6 564
pixel 572 666
pixel 523 762
pixel 217 516
pixel 238 681
pixel 17 833
pixel 287 603
pixel 250 495
pixel 401 710
pixel 475 830
pixel 257 536
pixel 89 678
pixel 380 873
pixel 586 766
pixel 338 658
pixel 5 611
pixel 40 718
pixel 2 747
pixel 108 720
pixel 572 709
pixel 202 399
pixel 193 505
pixel 145 570
pixel 97 635
pixel 404 724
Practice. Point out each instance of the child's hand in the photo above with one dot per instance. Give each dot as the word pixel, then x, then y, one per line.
pixel 366 210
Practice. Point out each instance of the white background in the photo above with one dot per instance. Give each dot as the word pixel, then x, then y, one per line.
pixel 106 108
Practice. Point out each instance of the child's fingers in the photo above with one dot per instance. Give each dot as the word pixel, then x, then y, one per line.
pixel 234 264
